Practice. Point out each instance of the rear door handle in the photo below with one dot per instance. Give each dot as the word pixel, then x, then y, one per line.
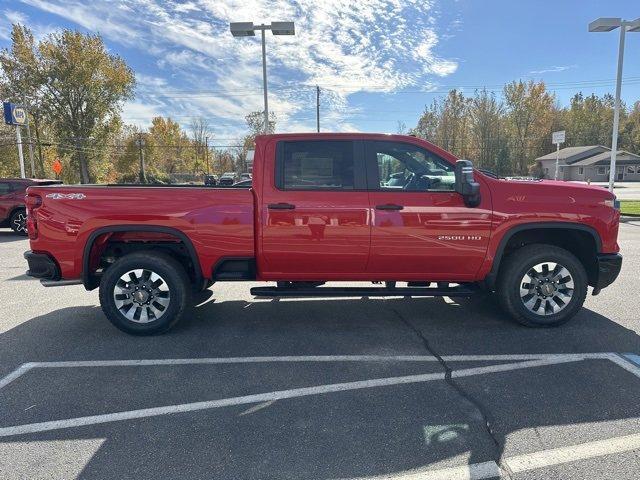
pixel 389 206
pixel 281 206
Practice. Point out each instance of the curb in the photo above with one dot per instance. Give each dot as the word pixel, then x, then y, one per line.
pixel 626 218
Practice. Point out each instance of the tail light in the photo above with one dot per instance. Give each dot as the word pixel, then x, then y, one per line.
pixel 32 202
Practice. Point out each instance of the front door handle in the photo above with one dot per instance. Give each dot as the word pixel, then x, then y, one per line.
pixel 281 206
pixel 389 206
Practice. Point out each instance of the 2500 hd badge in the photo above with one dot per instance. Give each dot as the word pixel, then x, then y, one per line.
pixel 457 238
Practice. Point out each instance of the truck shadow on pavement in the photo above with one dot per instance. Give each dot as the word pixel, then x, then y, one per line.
pixel 7 236
pixel 359 433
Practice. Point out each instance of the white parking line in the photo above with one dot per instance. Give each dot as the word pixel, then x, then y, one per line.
pixel 526 462
pixel 298 358
pixel 18 372
pixel 272 396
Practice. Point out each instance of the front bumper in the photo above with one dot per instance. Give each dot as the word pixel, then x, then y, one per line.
pixel 42 266
pixel 609 265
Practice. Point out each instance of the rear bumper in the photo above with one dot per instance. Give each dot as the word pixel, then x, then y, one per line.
pixel 609 266
pixel 42 266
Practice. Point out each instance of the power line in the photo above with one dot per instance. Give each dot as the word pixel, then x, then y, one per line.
pixel 382 88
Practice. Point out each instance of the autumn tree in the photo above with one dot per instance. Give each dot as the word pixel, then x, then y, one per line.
pixel 427 123
pixel 21 83
pixel 452 131
pixel 172 148
pixel 486 127
pixel 200 131
pixel 83 88
pixel 589 119
pixel 630 136
pixel 255 125
pixel 529 110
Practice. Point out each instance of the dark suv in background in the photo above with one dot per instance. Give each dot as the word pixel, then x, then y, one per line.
pixel 12 209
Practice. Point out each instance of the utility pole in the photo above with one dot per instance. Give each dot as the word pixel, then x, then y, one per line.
pixel 317 108
pixel 33 165
pixel 141 155
pixel 19 140
pixel 206 152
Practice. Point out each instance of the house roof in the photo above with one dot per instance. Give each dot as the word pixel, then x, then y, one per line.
pixel 571 155
pixel 604 158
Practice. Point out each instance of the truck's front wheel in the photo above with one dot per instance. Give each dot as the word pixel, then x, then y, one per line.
pixel 144 293
pixel 542 285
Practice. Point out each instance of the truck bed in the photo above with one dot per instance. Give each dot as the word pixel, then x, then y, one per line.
pixel 218 221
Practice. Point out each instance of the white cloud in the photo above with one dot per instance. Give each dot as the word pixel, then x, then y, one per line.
pixel 13 17
pixel 553 69
pixel 345 46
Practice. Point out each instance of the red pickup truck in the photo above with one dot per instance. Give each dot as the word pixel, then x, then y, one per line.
pixel 12 209
pixel 331 207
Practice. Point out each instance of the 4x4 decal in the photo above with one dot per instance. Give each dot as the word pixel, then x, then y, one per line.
pixel 66 196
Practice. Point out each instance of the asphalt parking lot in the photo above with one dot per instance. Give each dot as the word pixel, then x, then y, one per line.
pixel 317 389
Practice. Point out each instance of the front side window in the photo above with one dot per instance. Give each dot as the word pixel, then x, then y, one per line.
pixel 406 167
pixel 317 165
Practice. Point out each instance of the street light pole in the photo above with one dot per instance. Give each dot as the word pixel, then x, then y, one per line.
pixel 317 108
pixel 616 110
pixel 606 25
pixel 248 29
pixel 264 82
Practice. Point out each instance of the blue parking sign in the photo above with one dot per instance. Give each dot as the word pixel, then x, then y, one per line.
pixel 14 114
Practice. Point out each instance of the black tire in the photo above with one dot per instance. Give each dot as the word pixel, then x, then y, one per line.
pixel 18 221
pixel 522 261
pixel 174 279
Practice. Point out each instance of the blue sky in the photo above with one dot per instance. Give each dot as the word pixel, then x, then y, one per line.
pixel 377 61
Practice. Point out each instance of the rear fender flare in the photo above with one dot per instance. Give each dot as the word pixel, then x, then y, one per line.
pixel 89 281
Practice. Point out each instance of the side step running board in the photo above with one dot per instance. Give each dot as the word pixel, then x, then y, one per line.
pixel 460 291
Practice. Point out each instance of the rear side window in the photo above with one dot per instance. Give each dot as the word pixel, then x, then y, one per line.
pixel 5 188
pixel 318 165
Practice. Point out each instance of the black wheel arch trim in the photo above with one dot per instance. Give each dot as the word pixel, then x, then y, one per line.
pixel 491 277
pixel 89 280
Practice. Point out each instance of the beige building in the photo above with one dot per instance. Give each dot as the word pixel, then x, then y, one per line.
pixel 591 163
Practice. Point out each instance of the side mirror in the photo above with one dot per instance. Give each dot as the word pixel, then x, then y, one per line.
pixel 465 185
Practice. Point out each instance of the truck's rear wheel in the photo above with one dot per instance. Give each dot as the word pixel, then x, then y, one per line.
pixel 542 285
pixel 144 293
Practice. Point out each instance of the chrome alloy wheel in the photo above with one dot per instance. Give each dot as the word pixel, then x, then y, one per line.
pixel 141 295
pixel 20 223
pixel 546 288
